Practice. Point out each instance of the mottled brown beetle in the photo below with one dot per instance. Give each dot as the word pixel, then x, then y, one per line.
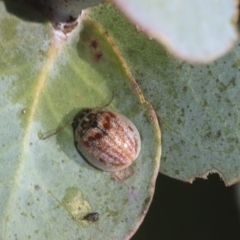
pixel 107 139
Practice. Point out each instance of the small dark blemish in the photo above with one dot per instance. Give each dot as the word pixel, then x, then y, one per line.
pixel 218 134
pixel 98 56
pixel 94 44
pixel 91 217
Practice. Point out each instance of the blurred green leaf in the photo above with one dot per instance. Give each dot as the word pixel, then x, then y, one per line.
pixel 192 30
pixel 197 106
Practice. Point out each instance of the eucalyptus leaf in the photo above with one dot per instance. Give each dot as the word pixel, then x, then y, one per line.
pixel 46 78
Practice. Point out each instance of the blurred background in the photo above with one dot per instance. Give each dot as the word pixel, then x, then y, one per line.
pixel 204 210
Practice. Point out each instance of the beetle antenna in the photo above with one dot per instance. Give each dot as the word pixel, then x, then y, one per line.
pixel 109 101
pixel 42 137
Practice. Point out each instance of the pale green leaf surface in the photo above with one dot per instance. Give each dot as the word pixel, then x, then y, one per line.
pixel 197 106
pixel 192 30
pixel 46 188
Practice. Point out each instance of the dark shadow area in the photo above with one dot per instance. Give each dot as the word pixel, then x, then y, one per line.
pixel 53 10
pixel 65 137
pixel 204 210
pixel 40 11
pixel 25 10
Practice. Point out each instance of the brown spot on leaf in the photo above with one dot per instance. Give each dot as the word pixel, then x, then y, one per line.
pixel 94 44
pixel 98 56
pixel 218 135
pixel 92 217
